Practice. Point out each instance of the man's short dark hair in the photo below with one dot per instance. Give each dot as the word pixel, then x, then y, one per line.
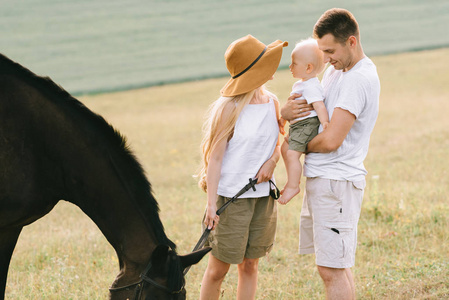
pixel 338 22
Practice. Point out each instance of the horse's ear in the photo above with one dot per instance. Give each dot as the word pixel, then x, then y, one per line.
pixel 194 257
pixel 159 257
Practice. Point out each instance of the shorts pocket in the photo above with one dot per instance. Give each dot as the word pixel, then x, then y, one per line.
pixel 338 241
pixel 360 185
pixel 301 134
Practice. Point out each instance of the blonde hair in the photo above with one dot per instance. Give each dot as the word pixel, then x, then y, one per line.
pixel 309 50
pixel 214 134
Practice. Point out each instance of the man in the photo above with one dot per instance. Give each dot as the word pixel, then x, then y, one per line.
pixel 334 166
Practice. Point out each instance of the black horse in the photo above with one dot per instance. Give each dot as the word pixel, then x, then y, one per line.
pixel 52 147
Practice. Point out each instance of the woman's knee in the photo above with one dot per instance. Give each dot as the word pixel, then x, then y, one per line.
pixel 249 266
pixel 216 274
pixel 217 271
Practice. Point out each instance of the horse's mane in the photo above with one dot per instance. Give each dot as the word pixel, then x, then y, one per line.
pixel 147 205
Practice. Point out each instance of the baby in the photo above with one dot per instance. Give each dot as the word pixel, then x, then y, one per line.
pixel 307 63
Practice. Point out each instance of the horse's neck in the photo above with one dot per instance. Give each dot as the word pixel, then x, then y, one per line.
pixel 127 233
pixel 93 182
pixel 113 210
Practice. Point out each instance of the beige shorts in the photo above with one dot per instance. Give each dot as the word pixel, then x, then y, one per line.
pixel 328 222
pixel 247 228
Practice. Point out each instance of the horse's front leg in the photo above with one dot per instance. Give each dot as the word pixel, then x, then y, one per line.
pixel 8 240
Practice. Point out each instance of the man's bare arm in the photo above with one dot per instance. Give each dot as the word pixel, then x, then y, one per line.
pixel 331 139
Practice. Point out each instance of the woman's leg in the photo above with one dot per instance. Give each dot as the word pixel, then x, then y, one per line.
pixel 248 271
pixel 213 277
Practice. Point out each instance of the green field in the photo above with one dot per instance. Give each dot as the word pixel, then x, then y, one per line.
pixel 403 231
pixel 108 45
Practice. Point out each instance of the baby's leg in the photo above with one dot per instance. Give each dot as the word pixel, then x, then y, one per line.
pixel 284 149
pixel 294 172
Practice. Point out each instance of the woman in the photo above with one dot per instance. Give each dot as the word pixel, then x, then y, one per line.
pixel 241 141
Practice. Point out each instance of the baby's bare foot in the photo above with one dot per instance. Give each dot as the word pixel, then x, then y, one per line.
pixel 288 194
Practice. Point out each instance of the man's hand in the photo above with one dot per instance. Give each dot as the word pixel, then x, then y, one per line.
pixel 294 109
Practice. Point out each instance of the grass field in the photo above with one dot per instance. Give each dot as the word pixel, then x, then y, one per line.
pixel 403 243
pixel 109 45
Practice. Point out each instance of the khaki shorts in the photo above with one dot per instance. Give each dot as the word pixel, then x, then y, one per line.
pixel 301 133
pixel 328 222
pixel 247 228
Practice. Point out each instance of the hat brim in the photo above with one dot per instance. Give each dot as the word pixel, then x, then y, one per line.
pixel 258 74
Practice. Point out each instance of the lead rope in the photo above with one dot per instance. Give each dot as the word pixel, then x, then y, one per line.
pixel 274 193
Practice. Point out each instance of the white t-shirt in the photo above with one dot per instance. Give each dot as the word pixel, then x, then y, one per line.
pixel 311 90
pixel 356 91
pixel 252 144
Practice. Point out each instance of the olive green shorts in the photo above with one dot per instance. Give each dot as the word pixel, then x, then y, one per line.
pixel 301 133
pixel 247 228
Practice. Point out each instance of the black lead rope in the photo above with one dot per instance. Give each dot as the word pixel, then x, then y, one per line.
pixel 274 193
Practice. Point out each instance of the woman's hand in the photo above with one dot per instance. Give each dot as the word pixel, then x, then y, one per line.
pixel 266 171
pixel 281 123
pixel 211 220
pixel 294 109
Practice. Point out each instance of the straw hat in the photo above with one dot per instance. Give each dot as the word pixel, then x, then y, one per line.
pixel 251 63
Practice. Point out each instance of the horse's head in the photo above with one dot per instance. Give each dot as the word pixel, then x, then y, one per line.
pixel 163 278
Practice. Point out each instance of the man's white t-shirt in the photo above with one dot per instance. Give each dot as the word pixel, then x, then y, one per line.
pixel 356 91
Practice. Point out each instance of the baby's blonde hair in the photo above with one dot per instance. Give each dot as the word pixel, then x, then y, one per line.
pixel 213 134
pixel 309 47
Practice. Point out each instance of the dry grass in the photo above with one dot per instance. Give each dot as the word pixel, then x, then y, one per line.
pixel 403 239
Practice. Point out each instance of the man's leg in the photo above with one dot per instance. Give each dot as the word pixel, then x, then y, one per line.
pixel 351 281
pixel 339 283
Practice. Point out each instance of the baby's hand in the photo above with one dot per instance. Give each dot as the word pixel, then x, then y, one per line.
pixel 325 125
